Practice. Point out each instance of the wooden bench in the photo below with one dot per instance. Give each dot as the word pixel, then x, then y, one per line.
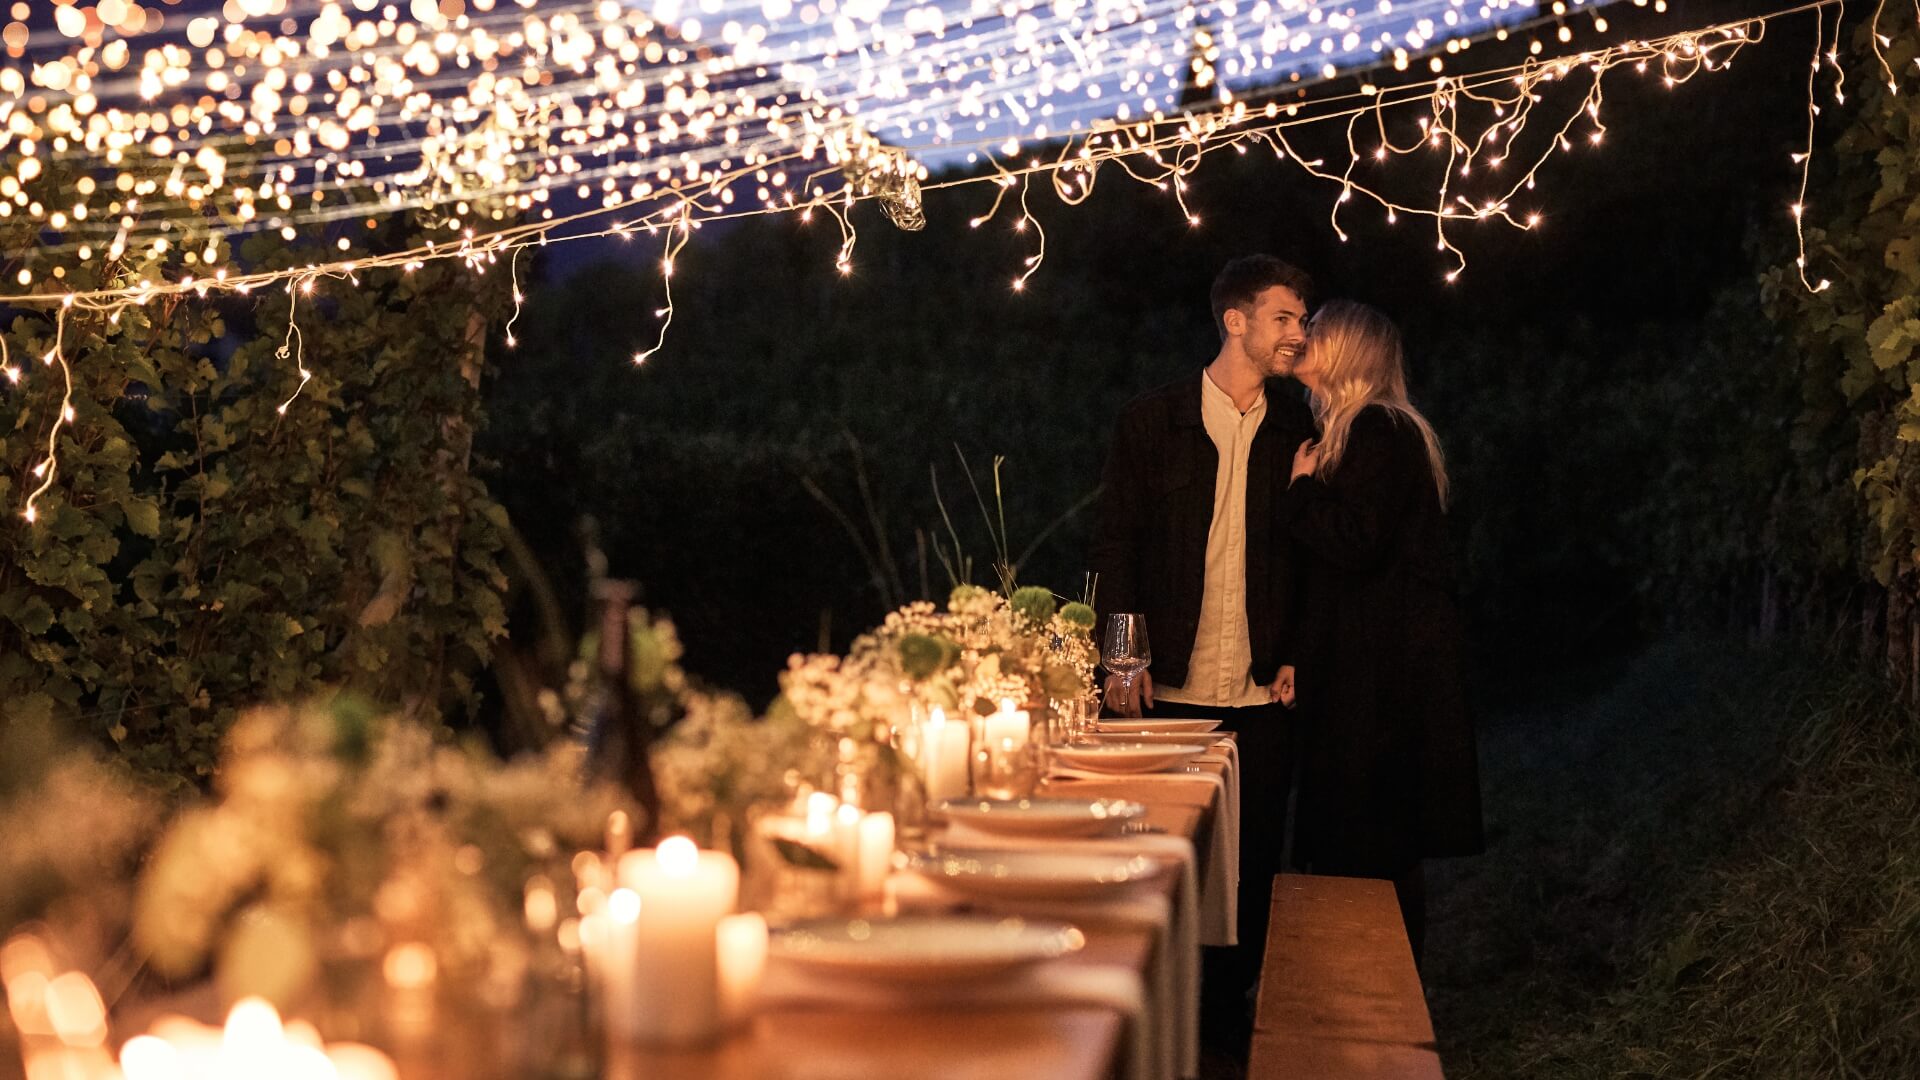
pixel 1339 996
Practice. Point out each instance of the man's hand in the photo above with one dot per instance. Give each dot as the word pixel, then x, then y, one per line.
pixel 1305 459
pixel 1118 699
pixel 1282 688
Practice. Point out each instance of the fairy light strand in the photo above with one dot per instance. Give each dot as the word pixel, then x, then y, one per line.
pixel 1799 208
pixel 295 343
pixel 676 239
pixel 1149 147
pixel 519 298
pixel 49 467
pixel 1040 235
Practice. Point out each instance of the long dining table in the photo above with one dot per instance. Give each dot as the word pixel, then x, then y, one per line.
pixel 980 1039
pixel 940 1042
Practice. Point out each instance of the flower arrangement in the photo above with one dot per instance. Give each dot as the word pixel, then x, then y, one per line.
pixel 72 827
pixel 984 648
pixel 342 838
pixel 720 761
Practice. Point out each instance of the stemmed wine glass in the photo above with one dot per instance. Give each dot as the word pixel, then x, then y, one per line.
pixel 1125 652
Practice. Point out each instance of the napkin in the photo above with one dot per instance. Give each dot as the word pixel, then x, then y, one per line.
pixel 1177 953
pixel 788 985
pixel 1219 893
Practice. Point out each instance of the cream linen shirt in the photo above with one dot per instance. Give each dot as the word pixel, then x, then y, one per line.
pixel 1220 670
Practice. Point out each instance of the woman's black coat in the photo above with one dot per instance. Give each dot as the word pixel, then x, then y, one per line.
pixel 1390 774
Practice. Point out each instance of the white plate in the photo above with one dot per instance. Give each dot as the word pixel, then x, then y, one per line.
pixel 1042 817
pixel 1153 726
pixel 922 948
pixel 1033 875
pixel 1204 738
pixel 1126 757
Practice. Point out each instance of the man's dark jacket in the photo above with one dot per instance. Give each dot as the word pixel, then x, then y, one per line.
pixel 1156 505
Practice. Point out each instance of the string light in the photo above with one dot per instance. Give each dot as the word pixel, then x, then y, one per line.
pixel 49 467
pixel 1034 260
pixel 295 344
pixel 1805 158
pixel 269 117
pixel 1878 42
pixel 676 239
pixel 513 270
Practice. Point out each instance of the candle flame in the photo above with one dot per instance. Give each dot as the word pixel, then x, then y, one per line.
pixel 678 856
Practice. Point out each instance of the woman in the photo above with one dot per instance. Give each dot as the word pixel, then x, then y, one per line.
pixel 1389 773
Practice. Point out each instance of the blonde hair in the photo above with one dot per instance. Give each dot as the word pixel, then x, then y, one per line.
pixel 1361 363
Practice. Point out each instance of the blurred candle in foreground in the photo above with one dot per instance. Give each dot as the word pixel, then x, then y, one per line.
pixel 620 962
pixel 846 849
pixel 253 1043
pixel 876 854
pixel 684 893
pixel 742 943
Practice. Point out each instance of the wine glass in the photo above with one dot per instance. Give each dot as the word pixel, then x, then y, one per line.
pixel 1125 652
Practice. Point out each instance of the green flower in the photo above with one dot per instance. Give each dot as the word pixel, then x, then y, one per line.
pixel 1033 602
pixel 1079 616
pixel 1060 681
pixel 924 655
pixel 963 595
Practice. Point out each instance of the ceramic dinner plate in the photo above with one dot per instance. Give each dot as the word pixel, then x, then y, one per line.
pixel 1203 738
pixel 1127 756
pixel 1033 875
pixel 922 948
pixel 1043 817
pixel 1170 726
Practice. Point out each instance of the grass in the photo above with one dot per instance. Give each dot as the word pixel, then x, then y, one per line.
pixel 1711 868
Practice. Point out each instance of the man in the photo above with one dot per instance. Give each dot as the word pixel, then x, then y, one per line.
pixel 1185 537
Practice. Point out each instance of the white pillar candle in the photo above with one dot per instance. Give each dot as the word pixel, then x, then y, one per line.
pixel 593 953
pixel 819 835
pixel 743 956
pixel 619 970
pixel 684 893
pixel 846 847
pixel 1008 723
pixel 876 853
pixel 943 749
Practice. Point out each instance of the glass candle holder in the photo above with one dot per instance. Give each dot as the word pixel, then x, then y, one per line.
pixel 1007 770
pixel 793 866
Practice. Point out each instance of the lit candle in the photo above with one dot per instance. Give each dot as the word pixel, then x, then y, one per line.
pixel 820 807
pixel 1008 724
pixel 619 833
pixel 684 893
pixel 743 956
pixel 876 854
pixel 620 974
pixel 846 848
pixel 943 750
pixel 253 1043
